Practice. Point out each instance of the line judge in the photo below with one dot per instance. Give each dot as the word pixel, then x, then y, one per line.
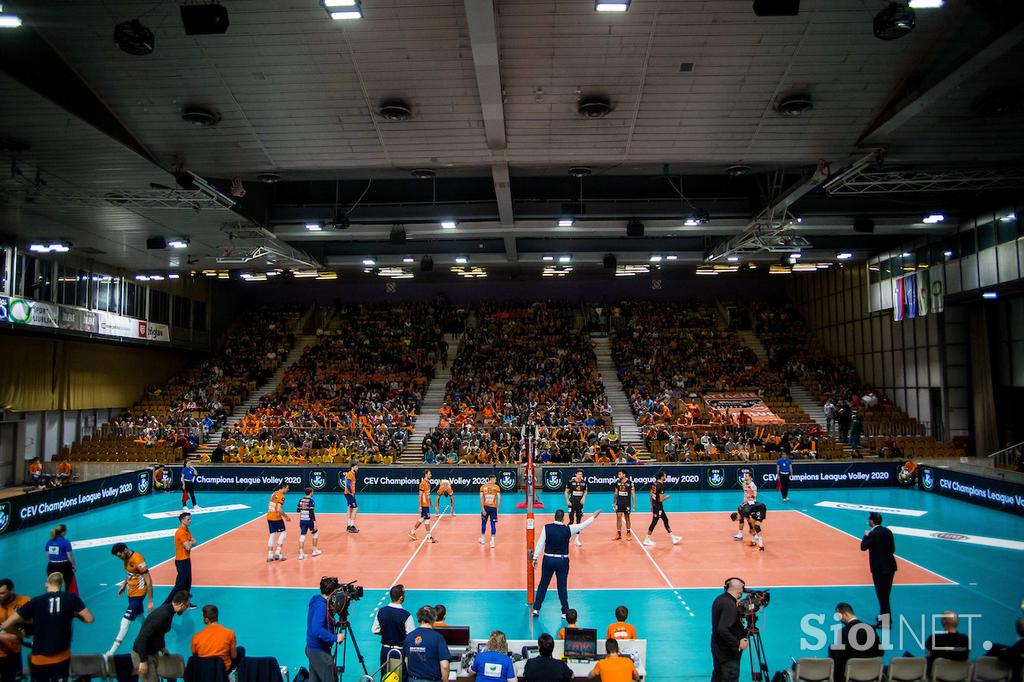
pixel 553 546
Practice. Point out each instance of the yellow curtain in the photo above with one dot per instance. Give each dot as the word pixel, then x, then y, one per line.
pixel 53 374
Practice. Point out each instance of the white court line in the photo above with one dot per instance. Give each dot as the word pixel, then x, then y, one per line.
pixel 958 537
pixel 196 511
pixel 912 563
pixel 896 511
pixel 132 537
pixel 664 577
pixel 422 542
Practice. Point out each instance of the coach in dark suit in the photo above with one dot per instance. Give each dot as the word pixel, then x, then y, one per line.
pixel 881 548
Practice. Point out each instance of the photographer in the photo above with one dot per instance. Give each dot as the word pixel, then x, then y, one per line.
pixel 320 635
pixel 728 640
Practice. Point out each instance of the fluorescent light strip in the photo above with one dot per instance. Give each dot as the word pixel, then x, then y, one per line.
pixel 347 14
pixel 926 4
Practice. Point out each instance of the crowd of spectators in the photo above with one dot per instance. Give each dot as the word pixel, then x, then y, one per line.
pixel 352 396
pixel 472 444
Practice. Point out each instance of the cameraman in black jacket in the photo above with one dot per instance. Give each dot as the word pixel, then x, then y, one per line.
pixel 728 638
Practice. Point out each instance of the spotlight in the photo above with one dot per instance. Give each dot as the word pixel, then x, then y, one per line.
pixel 449 223
pixel 340 10
pixel 566 221
pixel 895 21
pixel 845 255
pixel 610 6
pixel 461 260
pixel 655 258
pixel 933 219
pixel 314 227
pixel 179 243
pixel 547 258
pixel 947 254
pixel 369 261
pixel 565 259
pixel 672 257
pixel 408 259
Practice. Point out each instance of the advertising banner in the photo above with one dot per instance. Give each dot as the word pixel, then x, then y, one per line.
pixel 728 406
pixel 24 311
pixel 78 319
pixel 990 492
pixel 331 479
pixel 728 476
pixel 117 325
pixel 44 506
pixel 156 332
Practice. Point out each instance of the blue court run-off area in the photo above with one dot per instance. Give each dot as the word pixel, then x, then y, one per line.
pixel 271 621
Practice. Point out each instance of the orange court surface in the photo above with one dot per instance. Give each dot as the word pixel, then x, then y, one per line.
pixel 382 554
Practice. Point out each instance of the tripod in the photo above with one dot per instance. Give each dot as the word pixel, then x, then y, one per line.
pixel 349 635
pixel 759 672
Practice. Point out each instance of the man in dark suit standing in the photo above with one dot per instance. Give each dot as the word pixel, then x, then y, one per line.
pixel 881 548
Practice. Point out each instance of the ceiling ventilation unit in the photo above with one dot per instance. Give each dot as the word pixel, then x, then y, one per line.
pixel 200 116
pixel 269 178
pixel 737 171
pixel 134 38
pixel 395 110
pixel 580 172
pixel 594 107
pixel 795 105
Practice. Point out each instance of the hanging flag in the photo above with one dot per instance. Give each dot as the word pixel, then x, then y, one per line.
pixel 910 295
pixel 897 299
pixel 924 292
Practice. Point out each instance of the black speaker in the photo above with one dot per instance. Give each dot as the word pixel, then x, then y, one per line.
pixel 156 243
pixel 397 234
pixel 609 261
pixel 202 20
pixel 427 264
pixel 634 228
pixel 776 8
pixel 863 224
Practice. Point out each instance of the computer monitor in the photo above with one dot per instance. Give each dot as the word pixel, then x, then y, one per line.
pixel 455 635
pixel 481 647
pixel 581 643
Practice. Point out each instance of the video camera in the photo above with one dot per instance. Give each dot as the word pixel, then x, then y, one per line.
pixel 752 602
pixel 339 597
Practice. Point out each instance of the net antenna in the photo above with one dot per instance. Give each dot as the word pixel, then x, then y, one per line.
pixel 528 438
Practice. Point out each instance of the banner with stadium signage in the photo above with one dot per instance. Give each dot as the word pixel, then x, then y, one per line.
pixel 376 479
pixel 25 311
pixel 728 406
pixel 728 476
pixel 916 295
pixel 70 318
pixel 998 494
pixel 44 506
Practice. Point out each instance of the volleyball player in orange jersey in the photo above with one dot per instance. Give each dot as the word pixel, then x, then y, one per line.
pixel 490 498
pixel 444 489
pixel 424 499
pixel 275 522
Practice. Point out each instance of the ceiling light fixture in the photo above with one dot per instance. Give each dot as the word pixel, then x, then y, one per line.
pixel 408 259
pixel 990 295
pixel 845 255
pixel 370 262
pixel 547 258
pixel 926 4
pixel 933 219
pixel 655 258
pixel 173 275
pixel 314 227
pixel 340 10
pixel 142 278
pixel 461 260
pixel 9 20
pixel 733 259
pixel 565 259
pixel 449 223
pixel 566 221
pixel 54 247
pixel 609 6
pixel 672 257
pixel 947 254
pixel 179 243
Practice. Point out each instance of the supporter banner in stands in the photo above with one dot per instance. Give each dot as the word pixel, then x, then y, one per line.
pixel 728 476
pixel 728 406
pixel 999 494
pixel 48 505
pixel 24 311
pixel 916 295
pixel 376 479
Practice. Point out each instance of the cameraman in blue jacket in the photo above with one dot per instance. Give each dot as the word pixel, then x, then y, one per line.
pixel 320 635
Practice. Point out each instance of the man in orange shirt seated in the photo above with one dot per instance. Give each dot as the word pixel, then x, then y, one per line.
pixel 64 473
pixel 620 629
pixel 216 640
pixel 614 668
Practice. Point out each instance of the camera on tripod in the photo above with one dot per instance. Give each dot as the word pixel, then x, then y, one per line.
pixel 752 602
pixel 341 595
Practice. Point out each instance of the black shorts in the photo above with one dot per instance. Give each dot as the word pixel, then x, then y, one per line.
pixel 622 508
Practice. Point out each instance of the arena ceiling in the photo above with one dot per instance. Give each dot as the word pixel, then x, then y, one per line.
pixel 94 137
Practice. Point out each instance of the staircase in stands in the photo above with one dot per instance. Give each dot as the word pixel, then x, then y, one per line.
pixel 801 396
pixel 622 413
pixel 430 409
pixel 268 387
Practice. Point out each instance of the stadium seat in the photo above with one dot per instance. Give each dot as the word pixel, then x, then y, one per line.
pixel 945 670
pixel 170 667
pixel 990 669
pixel 908 669
pixel 864 670
pixel 88 666
pixel 813 670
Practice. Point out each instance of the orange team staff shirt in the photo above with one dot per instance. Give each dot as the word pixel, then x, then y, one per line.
pixel 214 640
pixel 615 669
pixel 490 493
pixel 136 568
pixel 64 467
pixel 8 648
pixel 424 493
pixel 275 506
pixel 621 631
pixel 181 536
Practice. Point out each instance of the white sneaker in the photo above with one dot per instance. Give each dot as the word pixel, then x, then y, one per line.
pixel 195 506
pixel 481 539
pixel 649 542
pixel 301 556
pixel 676 539
pixel 492 543
pixel 738 536
pixel 184 508
pixel 316 552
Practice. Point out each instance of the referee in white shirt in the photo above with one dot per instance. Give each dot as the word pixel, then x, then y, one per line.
pixel 553 545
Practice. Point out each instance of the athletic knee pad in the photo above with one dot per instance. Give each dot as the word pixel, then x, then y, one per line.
pixel 316 535
pixel 757 528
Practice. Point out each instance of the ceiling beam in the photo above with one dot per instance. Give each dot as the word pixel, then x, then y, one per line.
pixel 483 38
pixel 905 108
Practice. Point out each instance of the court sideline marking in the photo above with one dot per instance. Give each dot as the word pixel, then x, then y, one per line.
pixel 132 537
pixel 912 563
pixel 958 537
pixel 850 506
pixel 196 511
pixel 664 577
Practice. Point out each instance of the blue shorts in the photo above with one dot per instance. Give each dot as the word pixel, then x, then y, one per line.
pixel 425 513
pixel 307 527
pixel 135 607
pixel 490 513
pixel 351 499
pixel 276 526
